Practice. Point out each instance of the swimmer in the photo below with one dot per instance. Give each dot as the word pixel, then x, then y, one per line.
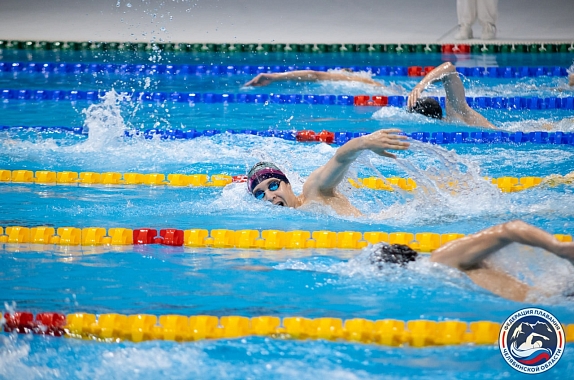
pixel 267 182
pixel 456 106
pixel 310 76
pixel 470 253
pixel 571 79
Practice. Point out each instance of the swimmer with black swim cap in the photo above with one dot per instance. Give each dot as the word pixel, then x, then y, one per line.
pixel 428 107
pixel 267 182
pixel 470 254
pixel 393 254
pixel 456 106
pixel 344 75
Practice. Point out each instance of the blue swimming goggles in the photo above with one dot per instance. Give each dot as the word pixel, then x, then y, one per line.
pixel 272 186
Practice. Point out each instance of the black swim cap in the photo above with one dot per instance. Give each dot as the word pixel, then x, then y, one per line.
pixel 428 107
pixel 394 254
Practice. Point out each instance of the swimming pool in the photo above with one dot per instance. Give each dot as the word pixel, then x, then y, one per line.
pixel 89 135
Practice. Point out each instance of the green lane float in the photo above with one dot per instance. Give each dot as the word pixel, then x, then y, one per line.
pixel 491 48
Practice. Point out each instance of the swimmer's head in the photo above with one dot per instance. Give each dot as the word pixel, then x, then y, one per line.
pixel 267 182
pixel 393 254
pixel 429 107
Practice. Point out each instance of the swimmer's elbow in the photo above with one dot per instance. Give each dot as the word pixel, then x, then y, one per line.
pixel 448 66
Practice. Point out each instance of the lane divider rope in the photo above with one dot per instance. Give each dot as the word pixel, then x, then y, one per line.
pixel 47 68
pixel 338 138
pixel 46 177
pixel 497 102
pixel 485 48
pixel 223 238
pixel 145 327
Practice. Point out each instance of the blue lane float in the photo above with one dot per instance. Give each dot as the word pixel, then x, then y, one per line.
pixel 340 138
pixel 497 102
pixel 169 69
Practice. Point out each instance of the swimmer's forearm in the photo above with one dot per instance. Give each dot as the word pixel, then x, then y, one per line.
pixel 304 75
pixel 350 151
pixel 314 76
pixel 326 178
pixel 437 74
pixel 471 250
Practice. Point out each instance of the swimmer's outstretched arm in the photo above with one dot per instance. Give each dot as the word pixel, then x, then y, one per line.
pixel 470 251
pixel 307 76
pixel 468 254
pixel 327 177
pixel 456 104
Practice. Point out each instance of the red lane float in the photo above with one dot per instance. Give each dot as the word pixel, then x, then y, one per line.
pixel 311 136
pixel 239 178
pixel 414 71
pixel 379 100
pixel 450 48
pixel 172 236
pixel 305 136
pixel 167 236
pixel 44 323
pixel 361 100
pixel 144 236
pixel 326 137
pixel 376 100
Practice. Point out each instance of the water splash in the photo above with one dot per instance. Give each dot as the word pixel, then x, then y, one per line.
pixel 549 276
pixel 392 114
pixel 104 122
pixel 564 125
pixel 449 187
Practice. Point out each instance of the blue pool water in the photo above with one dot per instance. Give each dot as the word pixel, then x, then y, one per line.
pixel 311 283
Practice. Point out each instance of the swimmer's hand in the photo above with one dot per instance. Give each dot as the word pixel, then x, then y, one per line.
pixel 261 80
pixel 383 139
pixel 414 96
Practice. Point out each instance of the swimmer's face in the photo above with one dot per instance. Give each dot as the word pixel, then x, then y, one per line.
pixel 282 196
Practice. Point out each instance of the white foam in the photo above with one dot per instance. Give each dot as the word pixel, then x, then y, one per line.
pixel 392 114
pixel 14 360
pixel 536 125
pixel 549 276
pixel 104 122
pixel 449 187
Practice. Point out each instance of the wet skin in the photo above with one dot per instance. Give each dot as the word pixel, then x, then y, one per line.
pixel 283 196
